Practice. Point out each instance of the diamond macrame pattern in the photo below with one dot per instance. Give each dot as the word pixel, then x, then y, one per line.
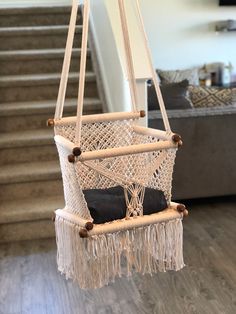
pixel 101 135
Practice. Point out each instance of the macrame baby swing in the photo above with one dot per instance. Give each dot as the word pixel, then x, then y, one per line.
pixel 103 151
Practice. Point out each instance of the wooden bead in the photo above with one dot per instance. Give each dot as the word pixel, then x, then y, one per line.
pixel 185 213
pixel 142 113
pixel 83 233
pixel 180 143
pixel 53 217
pixel 176 138
pixel 50 122
pixel 89 225
pixel 181 208
pixel 77 151
pixel 71 158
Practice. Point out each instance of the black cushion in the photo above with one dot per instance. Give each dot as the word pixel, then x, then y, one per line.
pixel 109 204
pixel 174 96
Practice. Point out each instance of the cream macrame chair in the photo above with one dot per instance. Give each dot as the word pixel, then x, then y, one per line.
pixel 105 150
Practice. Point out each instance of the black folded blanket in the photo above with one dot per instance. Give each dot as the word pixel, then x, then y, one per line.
pixel 109 204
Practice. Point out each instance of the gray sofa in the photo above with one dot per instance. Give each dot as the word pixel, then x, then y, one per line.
pixel 206 163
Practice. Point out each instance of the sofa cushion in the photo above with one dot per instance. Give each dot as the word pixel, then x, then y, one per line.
pixel 234 96
pixel 167 77
pixel 174 96
pixel 210 96
pixel 109 204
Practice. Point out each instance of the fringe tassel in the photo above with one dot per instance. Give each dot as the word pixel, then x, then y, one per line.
pixel 95 261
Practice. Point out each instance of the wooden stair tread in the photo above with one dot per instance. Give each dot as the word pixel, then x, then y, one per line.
pixel 29 209
pixel 46 106
pixel 32 54
pixel 30 172
pixel 36 30
pixel 41 79
pixel 27 138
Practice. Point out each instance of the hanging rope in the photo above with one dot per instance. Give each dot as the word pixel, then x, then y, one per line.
pixel 154 75
pixel 128 56
pixel 82 72
pixel 66 62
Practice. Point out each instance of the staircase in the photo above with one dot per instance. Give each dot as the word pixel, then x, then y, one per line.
pixel 32 42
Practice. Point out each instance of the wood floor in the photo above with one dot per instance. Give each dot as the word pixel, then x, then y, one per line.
pixel 30 283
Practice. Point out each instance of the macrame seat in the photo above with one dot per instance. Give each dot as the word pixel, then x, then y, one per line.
pixel 102 151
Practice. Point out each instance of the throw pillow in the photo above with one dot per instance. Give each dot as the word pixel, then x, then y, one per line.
pixel 109 204
pixel 174 96
pixel 210 96
pixel 192 75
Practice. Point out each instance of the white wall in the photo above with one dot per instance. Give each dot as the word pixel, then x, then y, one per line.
pixel 181 32
pixel 110 47
pixel 136 39
pixel 115 85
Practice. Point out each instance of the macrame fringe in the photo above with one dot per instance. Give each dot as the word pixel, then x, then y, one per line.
pixel 95 261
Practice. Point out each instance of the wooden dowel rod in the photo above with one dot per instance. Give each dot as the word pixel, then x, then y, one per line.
pixel 153 132
pixel 127 150
pixel 121 225
pixel 145 220
pixel 103 117
pixel 83 223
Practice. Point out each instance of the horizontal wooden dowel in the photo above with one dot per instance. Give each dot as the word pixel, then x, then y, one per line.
pixel 127 150
pixel 83 223
pixel 119 225
pixel 103 117
pixel 137 222
pixel 163 135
